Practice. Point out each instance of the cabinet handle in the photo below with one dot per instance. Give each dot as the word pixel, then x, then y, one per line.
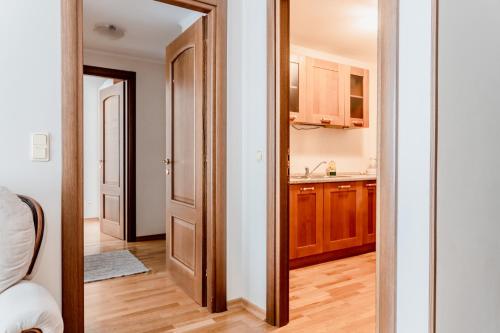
pixel 371 185
pixel 344 187
pixel 325 121
pixel 292 118
pixel 307 188
pixel 357 122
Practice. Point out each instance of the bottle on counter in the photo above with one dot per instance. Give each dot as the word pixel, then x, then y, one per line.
pixel 331 169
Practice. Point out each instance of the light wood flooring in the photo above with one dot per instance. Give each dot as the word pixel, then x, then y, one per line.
pixel 336 297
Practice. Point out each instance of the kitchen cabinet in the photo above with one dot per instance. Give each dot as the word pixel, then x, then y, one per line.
pixel 324 94
pixel 306 220
pixel 342 216
pixel 297 97
pixel 327 93
pixel 356 98
pixel 370 212
pixel 331 221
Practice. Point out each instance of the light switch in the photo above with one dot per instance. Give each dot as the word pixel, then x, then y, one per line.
pixel 40 147
pixel 259 156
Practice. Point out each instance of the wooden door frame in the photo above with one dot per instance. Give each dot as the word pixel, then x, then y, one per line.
pixel 130 144
pixel 72 156
pixel 277 181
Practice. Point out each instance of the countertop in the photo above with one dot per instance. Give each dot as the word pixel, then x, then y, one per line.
pixel 342 177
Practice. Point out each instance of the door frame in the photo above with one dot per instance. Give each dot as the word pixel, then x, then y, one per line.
pixel 277 180
pixel 130 142
pixel 72 156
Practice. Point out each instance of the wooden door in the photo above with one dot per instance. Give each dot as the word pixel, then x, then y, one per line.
pixel 185 161
pixel 343 216
pixel 357 98
pixel 112 170
pixel 325 92
pixel 306 220
pixel 370 212
pixel 298 84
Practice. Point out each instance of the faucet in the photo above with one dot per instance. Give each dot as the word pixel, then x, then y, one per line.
pixel 309 173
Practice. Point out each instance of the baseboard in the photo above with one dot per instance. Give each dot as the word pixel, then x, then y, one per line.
pixel 150 238
pixel 249 306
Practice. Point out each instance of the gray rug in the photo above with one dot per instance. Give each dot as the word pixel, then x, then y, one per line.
pixel 110 265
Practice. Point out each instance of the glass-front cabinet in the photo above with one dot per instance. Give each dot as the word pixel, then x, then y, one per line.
pixel 297 89
pixel 357 98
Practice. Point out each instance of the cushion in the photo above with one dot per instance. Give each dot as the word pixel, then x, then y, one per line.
pixel 28 305
pixel 17 239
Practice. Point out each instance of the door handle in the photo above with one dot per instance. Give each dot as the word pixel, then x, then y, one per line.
pixel 167 161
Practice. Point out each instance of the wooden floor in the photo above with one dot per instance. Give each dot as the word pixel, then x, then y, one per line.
pixel 336 297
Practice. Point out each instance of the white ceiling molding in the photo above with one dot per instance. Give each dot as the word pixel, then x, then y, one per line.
pixel 123 56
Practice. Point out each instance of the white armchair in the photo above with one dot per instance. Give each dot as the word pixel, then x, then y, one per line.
pixel 26 306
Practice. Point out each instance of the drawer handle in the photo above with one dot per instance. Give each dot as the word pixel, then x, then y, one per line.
pixel 344 187
pixel 325 121
pixel 371 185
pixel 307 188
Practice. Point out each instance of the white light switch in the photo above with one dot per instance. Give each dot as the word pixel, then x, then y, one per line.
pixel 258 156
pixel 40 147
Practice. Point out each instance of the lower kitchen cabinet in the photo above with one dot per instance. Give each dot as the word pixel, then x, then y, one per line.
pixel 331 221
pixel 342 216
pixel 306 220
pixel 370 211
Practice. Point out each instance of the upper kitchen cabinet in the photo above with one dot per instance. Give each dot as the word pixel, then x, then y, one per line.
pixel 327 93
pixel 297 98
pixel 357 98
pixel 325 97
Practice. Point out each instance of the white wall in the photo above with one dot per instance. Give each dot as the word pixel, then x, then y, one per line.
pixel 350 149
pixel 468 266
pixel 413 206
pixel 91 85
pixel 234 148
pixel 254 128
pixel 30 97
pixel 150 136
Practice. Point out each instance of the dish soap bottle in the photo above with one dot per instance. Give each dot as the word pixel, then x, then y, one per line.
pixel 331 169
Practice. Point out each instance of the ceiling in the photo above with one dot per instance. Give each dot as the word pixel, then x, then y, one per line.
pixel 149 26
pixel 346 28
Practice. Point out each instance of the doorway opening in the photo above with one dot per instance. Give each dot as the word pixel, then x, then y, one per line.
pixel 332 170
pixel 110 207
pixel 145 97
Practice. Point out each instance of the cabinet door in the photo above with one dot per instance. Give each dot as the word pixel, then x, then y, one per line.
pixel 356 98
pixel 297 98
pixel 370 214
pixel 342 216
pixel 306 220
pixel 325 93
